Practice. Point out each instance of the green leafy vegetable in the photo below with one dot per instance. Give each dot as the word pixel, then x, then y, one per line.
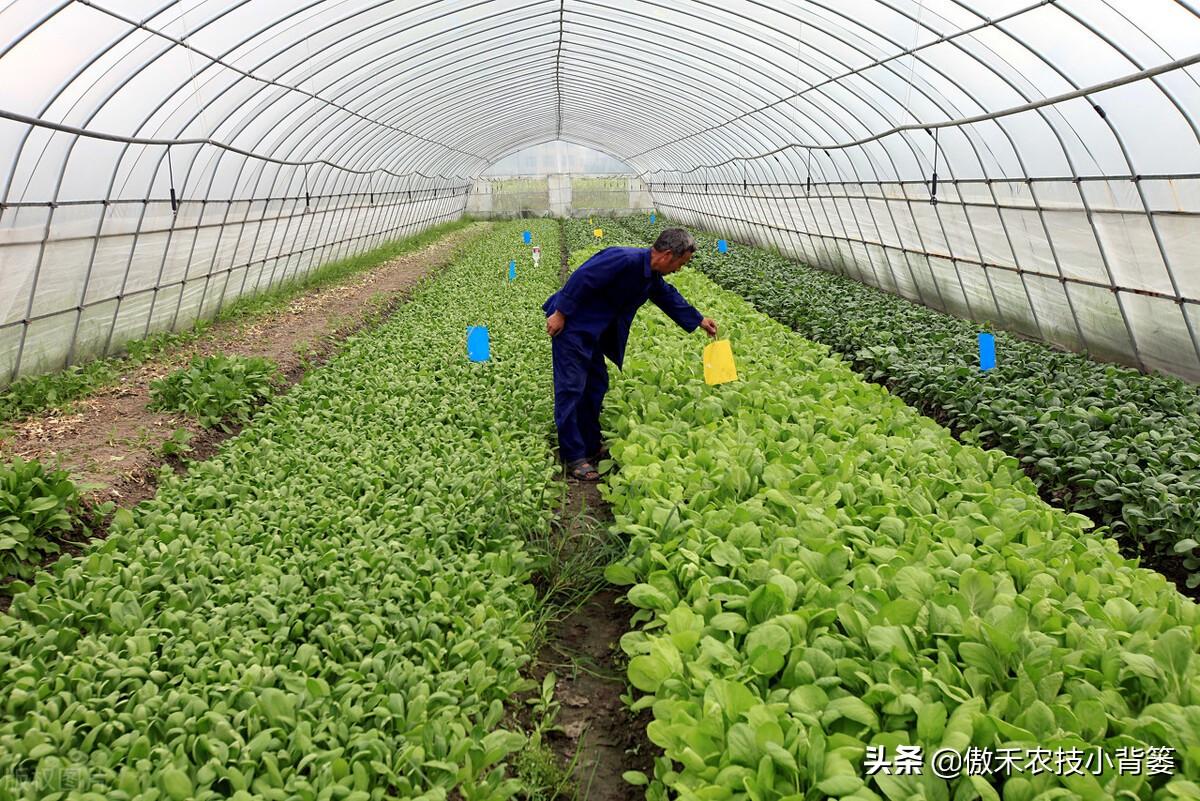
pixel 336 606
pixel 217 389
pixel 1121 446
pixel 37 508
pixel 819 568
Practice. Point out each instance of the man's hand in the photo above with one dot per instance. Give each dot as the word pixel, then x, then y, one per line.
pixel 555 323
pixel 710 326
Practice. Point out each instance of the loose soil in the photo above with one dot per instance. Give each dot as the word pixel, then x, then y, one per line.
pixel 110 441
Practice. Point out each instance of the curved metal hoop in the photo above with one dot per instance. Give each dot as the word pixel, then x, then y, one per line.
pixel 210 148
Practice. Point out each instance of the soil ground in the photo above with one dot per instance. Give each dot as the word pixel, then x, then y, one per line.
pixel 594 721
pixel 110 441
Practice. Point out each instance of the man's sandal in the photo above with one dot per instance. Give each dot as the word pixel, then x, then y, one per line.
pixel 583 470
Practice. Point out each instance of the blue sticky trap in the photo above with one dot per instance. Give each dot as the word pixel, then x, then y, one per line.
pixel 652 218
pixel 479 346
pixel 528 237
pixel 722 246
pixel 987 351
pixel 512 270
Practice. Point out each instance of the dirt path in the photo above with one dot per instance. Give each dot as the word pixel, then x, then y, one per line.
pixel 596 725
pixel 111 440
pixel 596 730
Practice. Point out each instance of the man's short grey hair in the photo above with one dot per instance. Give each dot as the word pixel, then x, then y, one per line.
pixel 676 240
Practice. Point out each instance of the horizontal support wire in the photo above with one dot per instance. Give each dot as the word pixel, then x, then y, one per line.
pixel 156 142
pixel 54 204
pixel 1069 179
pixel 178 229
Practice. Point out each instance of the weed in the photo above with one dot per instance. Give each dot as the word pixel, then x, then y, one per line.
pixel 309 356
pixel 571 556
pixel 543 775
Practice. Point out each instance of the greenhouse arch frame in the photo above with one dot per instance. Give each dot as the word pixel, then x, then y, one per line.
pixel 1034 165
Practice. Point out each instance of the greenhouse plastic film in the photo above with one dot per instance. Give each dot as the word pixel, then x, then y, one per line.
pixel 1064 139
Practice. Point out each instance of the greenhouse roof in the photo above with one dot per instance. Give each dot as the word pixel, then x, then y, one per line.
pixel 1051 143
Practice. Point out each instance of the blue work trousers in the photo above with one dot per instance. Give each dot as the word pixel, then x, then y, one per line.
pixel 580 381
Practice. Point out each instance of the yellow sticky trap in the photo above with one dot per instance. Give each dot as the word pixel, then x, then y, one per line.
pixel 718 363
pixel 599 232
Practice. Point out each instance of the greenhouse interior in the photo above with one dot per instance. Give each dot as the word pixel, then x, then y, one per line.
pixel 473 400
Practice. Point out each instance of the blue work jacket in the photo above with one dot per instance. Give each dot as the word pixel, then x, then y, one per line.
pixel 602 295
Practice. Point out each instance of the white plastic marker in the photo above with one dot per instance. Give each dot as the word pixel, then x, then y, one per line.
pixel 537 255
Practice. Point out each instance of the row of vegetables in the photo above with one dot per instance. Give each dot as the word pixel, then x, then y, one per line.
pixel 1104 440
pixel 337 606
pixel 42 509
pixel 819 569
pixel 580 234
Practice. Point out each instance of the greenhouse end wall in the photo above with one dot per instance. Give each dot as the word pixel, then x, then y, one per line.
pixel 558 195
